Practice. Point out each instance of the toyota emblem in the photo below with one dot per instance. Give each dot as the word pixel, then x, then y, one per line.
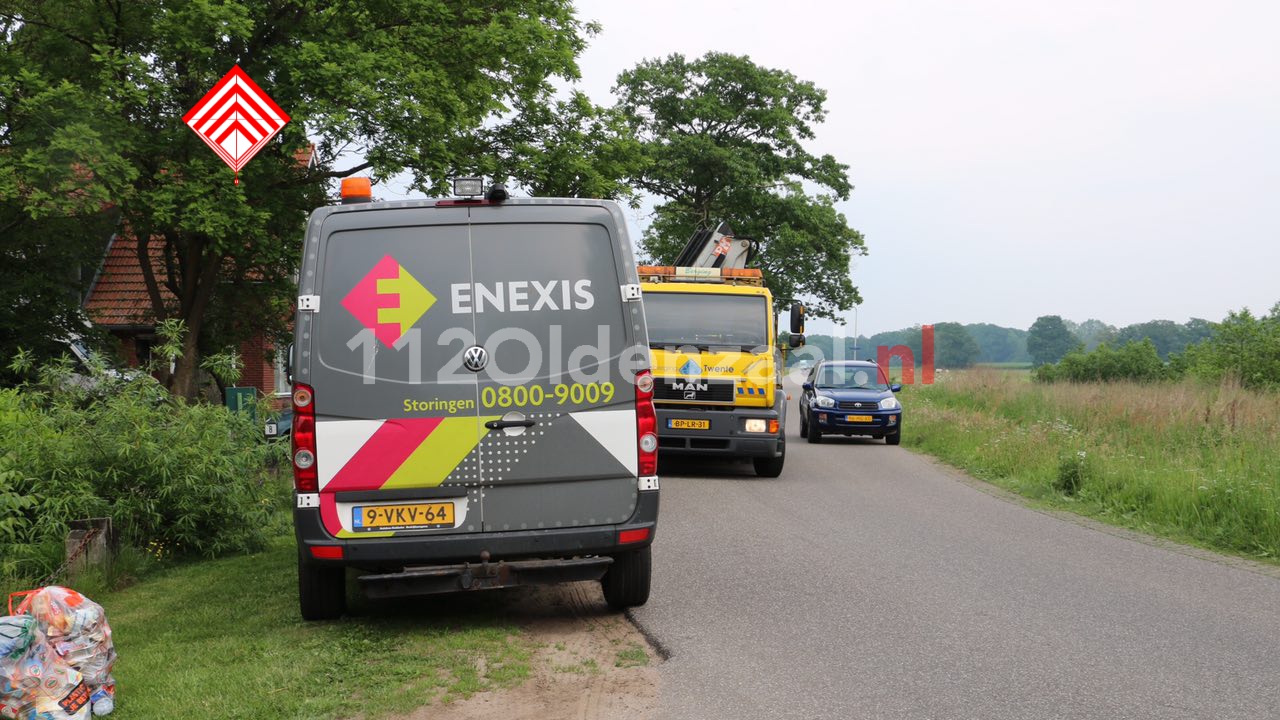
pixel 475 358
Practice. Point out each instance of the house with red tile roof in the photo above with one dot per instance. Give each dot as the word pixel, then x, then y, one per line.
pixel 118 302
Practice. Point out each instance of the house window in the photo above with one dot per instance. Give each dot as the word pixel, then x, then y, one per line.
pixel 282 374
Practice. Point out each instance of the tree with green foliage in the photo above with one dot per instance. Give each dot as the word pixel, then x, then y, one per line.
pixel 1093 333
pixel 998 344
pixel 1168 336
pixel 954 347
pixel 1244 346
pixel 1135 361
pixel 92 94
pixel 46 266
pixel 1048 340
pixel 569 148
pixel 723 139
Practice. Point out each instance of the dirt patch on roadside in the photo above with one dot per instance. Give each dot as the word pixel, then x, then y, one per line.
pixel 589 664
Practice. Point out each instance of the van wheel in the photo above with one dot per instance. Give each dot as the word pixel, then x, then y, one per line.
pixel 626 582
pixel 771 467
pixel 322 591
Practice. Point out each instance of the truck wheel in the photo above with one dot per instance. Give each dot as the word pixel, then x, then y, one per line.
pixel 322 591
pixel 771 467
pixel 626 582
pixel 893 439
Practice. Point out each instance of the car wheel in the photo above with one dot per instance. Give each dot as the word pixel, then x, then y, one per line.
pixel 771 467
pixel 815 435
pixel 893 439
pixel 322 591
pixel 804 425
pixel 626 582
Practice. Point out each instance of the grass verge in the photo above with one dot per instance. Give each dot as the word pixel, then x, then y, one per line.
pixel 223 639
pixel 1193 463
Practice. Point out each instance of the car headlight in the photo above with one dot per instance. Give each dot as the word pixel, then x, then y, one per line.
pixel 889 403
pixel 824 401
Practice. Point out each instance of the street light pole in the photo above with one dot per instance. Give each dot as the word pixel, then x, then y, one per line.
pixel 855 332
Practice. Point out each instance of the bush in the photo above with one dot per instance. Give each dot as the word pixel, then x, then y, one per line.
pixel 1136 361
pixel 176 479
pixel 1073 471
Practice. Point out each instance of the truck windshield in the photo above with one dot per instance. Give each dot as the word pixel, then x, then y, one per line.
pixel 706 319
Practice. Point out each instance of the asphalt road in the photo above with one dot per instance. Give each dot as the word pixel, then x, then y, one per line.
pixel 868 582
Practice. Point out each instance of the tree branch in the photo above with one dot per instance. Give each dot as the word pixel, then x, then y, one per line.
pixel 28 21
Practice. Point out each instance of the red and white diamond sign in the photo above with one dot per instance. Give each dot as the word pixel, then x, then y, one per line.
pixel 236 118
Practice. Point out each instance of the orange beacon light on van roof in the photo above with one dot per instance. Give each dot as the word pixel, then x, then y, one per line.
pixel 356 189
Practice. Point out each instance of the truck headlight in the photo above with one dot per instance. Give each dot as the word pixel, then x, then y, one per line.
pixel 755 425
pixel 889 403
pixel 824 401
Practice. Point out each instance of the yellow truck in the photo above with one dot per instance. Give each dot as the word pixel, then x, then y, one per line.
pixel 718 383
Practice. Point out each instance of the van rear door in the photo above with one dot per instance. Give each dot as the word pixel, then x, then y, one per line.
pixel 559 400
pixel 397 424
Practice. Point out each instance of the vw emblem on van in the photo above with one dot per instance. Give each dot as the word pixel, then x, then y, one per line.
pixel 475 358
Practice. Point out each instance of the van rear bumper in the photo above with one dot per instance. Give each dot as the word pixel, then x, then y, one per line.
pixel 415 581
pixel 396 553
pixel 725 436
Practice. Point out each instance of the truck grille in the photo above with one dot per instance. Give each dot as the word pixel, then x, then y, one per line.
pixel 693 390
pixel 858 405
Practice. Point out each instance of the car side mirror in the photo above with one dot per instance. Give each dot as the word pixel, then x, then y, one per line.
pixel 895 387
pixel 797 320
pixel 795 340
pixel 807 386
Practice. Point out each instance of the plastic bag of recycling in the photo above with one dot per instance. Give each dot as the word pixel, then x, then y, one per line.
pixel 35 683
pixel 77 629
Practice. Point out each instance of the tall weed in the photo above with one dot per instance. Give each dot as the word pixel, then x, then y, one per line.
pixel 1194 461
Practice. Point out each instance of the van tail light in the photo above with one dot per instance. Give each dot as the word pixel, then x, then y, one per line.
pixel 306 479
pixel 626 537
pixel 646 424
pixel 326 552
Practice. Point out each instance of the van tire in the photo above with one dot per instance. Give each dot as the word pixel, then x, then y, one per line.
pixel 771 467
pixel 626 582
pixel 322 591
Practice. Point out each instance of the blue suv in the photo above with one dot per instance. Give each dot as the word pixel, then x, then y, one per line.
pixel 850 398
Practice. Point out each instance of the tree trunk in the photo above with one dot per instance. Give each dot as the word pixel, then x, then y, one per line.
pixel 202 271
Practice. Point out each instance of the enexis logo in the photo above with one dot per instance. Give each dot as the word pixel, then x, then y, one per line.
pixel 388 300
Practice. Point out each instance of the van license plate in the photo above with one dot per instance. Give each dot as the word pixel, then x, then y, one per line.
pixel 681 424
pixel 402 517
pixel 858 418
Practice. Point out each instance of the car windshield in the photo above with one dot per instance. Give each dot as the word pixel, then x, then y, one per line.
pixel 851 377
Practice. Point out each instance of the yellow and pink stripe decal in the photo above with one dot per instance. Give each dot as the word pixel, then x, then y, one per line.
pixel 389 454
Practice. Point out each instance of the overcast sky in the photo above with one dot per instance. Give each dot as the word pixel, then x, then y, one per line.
pixel 1097 159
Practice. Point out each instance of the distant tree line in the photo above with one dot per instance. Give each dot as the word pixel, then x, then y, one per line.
pixel 1242 345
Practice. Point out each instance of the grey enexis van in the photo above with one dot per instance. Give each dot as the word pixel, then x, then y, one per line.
pixel 472 400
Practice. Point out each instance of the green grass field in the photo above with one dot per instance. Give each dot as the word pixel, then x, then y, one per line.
pixel 223 639
pixel 1197 464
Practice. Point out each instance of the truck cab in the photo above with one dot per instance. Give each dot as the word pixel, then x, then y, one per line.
pixel 717 375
